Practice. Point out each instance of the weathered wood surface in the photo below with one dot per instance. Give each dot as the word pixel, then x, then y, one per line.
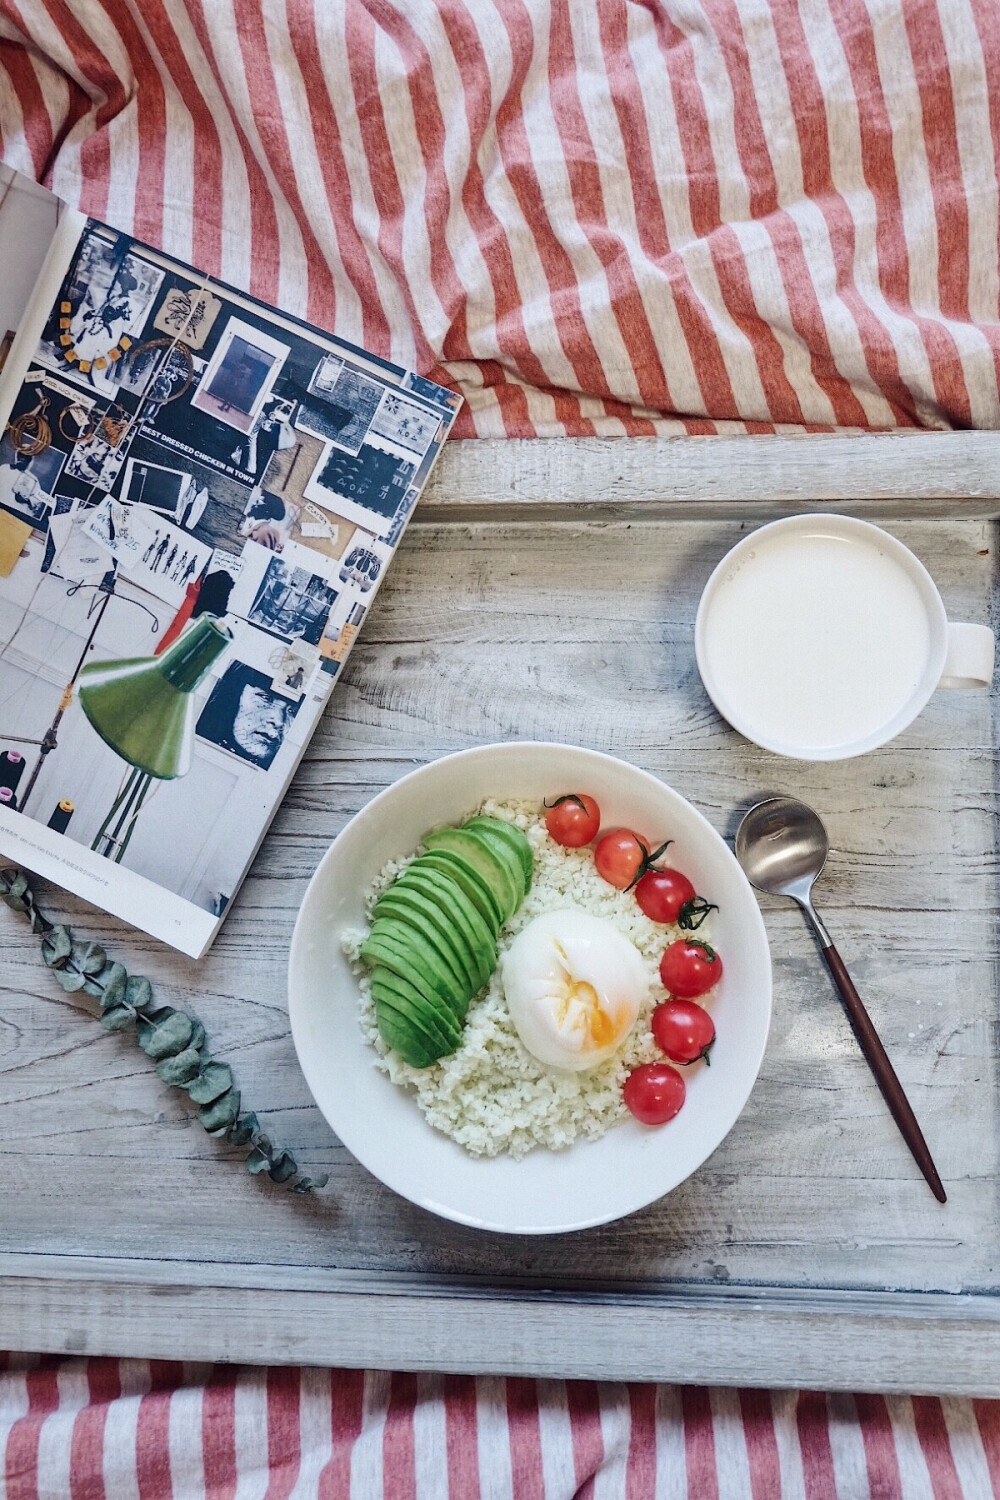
pixel 583 633
pixel 903 474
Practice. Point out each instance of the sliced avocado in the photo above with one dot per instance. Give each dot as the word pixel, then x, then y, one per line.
pixel 459 911
pixel 503 851
pixel 412 1043
pixel 468 879
pixel 411 904
pixel 436 1018
pixel 492 867
pixel 421 1021
pixel 513 837
pixel 401 949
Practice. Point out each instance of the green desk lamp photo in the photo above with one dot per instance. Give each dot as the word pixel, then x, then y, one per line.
pixel 144 709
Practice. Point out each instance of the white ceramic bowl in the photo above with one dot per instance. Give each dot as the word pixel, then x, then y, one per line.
pixel 547 1192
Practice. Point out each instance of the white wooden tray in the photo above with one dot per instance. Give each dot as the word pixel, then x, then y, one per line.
pixel 548 590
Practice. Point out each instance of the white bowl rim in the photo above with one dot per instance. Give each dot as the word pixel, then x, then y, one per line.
pixel 356 1146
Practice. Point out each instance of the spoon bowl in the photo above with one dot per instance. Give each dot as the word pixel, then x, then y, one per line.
pixel 782 846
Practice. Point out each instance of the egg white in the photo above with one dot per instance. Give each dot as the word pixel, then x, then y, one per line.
pixel 574 986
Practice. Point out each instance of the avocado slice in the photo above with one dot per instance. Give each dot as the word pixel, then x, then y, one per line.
pixel 413 1044
pixel 437 1020
pixel 459 911
pixel 503 851
pixel 410 904
pixel 402 949
pixel 514 839
pixel 492 867
pixel 468 879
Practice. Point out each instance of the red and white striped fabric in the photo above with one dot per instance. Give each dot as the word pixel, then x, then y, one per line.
pixel 592 216
pixel 106 1429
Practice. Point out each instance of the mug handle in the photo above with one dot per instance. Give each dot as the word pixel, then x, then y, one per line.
pixel 969 659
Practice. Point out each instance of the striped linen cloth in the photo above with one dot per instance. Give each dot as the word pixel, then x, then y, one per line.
pixel 591 216
pixel 105 1429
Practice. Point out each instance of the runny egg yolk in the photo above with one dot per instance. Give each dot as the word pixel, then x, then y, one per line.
pixel 574 985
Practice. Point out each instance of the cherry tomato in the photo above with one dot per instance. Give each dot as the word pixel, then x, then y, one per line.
pixel 690 968
pixel 572 820
pixel 683 1030
pixel 621 857
pixel 663 893
pixel 654 1093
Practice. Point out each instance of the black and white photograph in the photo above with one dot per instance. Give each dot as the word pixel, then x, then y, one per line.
pixel 292 602
pixel 326 375
pixel 341 406
pixel 269 520
pixel 239 376
pixel 96 462
pixel 294 669
pixel 161 488
pixel 157 371
pixel 27 481
pixel 245 716
pixel 272 433
pixel 403 426
pixel 112 291
pixel 368 488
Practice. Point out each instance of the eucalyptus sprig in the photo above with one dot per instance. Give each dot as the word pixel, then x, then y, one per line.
pixel 174 1039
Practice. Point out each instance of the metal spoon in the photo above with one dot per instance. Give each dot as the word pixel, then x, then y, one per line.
pixel 782 846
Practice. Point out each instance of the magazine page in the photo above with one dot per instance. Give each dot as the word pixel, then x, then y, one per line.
pixel 205 495
pixel 38 234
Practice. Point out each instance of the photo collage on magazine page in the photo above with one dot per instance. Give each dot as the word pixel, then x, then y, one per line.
pixel 178 452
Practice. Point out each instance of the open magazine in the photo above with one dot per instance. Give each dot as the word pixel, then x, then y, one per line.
pixel 199 497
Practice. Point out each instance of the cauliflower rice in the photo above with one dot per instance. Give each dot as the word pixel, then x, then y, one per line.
pixel 492 1096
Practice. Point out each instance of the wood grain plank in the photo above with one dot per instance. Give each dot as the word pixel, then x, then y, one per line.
pixel 759 1344
pixel 580 632
pixel 890 474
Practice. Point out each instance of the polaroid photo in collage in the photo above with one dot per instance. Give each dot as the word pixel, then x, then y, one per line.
pixel 239 375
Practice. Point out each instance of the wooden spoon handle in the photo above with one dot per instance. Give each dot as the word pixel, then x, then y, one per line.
pixel 885 1075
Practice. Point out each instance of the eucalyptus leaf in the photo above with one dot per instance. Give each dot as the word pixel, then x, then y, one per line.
pixel 115 987
pixel 93 987
pixel 168 1037
pixel 69 979
pixel 197 1034
pixel 243 1130
pixel 214 1081
pixel 282 1167
pixel 57 946
pixel 180 1069
pixel 258 1161
pixel 19 886
pixel 222 1113
pixel 117 1018
pixel 139 992
pixel 92 958
pixel 158 1013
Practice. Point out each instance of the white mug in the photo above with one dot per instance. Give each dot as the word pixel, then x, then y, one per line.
pixel 821 637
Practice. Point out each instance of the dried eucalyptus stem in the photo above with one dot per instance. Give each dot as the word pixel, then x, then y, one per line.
pixel 174 1039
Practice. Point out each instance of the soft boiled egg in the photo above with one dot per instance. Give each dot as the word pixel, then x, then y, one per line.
pixel 574 985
